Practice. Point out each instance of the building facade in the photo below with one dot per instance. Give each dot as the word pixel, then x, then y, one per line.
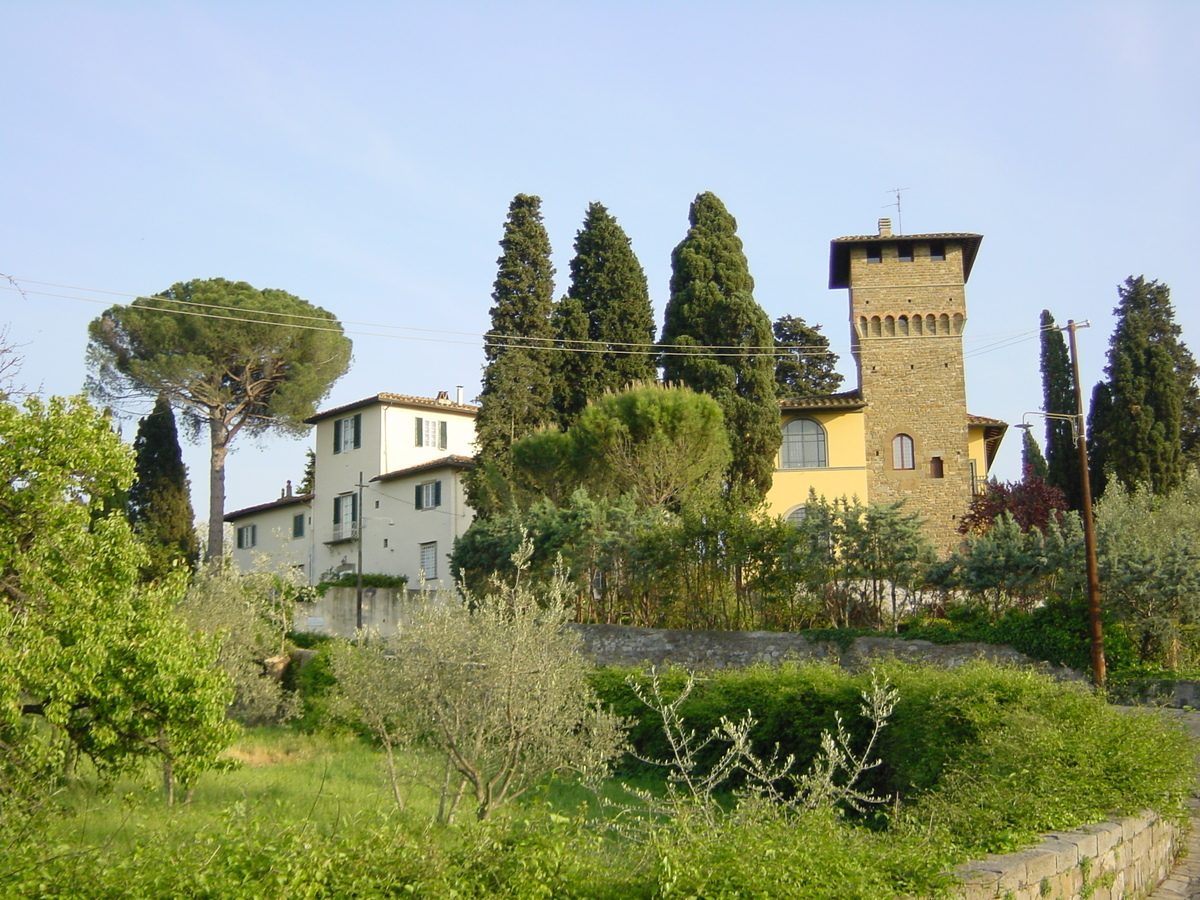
pixel 388 495
pixel 904 433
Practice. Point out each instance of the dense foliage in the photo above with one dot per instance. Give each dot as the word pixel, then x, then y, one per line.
pixel 604 325
pixel 517 395
pixel 1058 400
pixel 93 665
pixel 1134 431
pixel 160 501
pixel 804 364
pixel 717 340
pixel 230 357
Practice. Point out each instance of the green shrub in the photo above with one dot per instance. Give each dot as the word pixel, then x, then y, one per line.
pixel 1057 632
pixel 369 580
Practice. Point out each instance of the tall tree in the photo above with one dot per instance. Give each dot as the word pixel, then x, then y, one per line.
pixel 517 386
pixel 1033 463
pixel 608 306
pixel 717 340
pixel 1137 432
pixel 230 357
pixel 804 364
pixel 160 503
pixel 1058 399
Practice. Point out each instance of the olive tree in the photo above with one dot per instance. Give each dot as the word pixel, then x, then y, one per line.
pixel 227 356
pixel 496 686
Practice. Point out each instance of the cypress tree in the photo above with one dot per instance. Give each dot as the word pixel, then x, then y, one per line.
pixel 1058 398
pixel 717 340
pixel 804 365
pixel 1137 432
pixel 1033 464
pixel 516 399
pixel 608 305
pixel 160 505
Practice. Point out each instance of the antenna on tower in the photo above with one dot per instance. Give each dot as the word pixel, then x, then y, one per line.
pixel 899 218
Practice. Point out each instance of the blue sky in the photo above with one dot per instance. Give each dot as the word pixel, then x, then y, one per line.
pixel 363 156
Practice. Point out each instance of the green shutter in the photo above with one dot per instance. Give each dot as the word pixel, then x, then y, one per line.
pixel 437 493
pixel 357 430
pixel 337 436
pixel 420 424
pixel 442 435
pixel 417 501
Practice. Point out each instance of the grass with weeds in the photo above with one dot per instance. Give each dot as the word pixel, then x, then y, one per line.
pixel 984 759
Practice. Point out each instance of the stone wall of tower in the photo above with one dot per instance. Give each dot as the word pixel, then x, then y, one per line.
pixel 907 319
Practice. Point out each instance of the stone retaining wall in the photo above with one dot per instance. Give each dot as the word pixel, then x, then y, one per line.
pixel 1118 860
pixel 623 645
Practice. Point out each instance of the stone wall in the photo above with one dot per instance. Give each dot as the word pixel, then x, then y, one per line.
pixel 624 645
pixel 1126 858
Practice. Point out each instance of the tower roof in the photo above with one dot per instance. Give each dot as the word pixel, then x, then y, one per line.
pixel 839 250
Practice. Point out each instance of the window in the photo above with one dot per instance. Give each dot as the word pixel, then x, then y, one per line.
pixel 902 452
pixel 797 515
pixel 429 561
pixel 874 253
pixel 936 468
pixel 937 250
pixel 431 433
pixel 974 478
pixel 803 445
pixel 247 537
pixel 345 517
pixel 429 495
pixel 298 525
pixel 904 252
pixel 347 433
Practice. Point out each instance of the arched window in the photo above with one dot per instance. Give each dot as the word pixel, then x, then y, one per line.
pixel 902 452
pixel 797 515
pixel 803 445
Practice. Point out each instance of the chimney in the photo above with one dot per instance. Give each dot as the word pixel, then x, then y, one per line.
pixel 458 398
pixel 289 487
pixel 443 397
pixel 885 227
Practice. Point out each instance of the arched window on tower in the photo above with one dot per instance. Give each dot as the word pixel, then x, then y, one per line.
pixel 804 445
pixel 902 452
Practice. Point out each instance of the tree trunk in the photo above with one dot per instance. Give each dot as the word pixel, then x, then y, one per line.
pixel 218 449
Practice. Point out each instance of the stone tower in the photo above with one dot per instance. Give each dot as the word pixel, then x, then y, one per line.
pixel 907 313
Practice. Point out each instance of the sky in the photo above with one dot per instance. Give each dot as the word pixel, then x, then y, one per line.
pixel 363 155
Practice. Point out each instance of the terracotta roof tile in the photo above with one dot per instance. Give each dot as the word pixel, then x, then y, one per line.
pixel 453 461
pixel 263 507
pixel 398 400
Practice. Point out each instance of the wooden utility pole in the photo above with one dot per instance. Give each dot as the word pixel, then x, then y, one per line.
pixel 1099 670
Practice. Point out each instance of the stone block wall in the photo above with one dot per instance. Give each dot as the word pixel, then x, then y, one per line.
pixel 625 645
pixel 1119 860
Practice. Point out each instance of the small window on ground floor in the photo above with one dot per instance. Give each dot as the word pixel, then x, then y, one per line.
pixel 429 561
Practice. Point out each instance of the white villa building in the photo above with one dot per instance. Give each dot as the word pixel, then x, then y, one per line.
pixel 388 494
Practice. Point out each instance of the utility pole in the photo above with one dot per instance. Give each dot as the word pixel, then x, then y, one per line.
pixel 1099 671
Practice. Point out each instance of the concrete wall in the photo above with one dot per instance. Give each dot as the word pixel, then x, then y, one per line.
pixel 336 613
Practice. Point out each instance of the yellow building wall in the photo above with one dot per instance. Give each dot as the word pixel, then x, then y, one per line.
pixel 977 453
pixel 846 474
